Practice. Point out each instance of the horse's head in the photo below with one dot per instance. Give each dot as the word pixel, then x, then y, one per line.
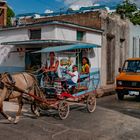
pixel 2 80
pixel 3 77
pixel 2 84
pixel 6 78
pixel 0 75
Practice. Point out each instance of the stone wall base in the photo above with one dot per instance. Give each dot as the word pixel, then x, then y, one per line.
pixel 104 91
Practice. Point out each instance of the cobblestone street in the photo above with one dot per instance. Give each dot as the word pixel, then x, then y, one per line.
pixel 112 120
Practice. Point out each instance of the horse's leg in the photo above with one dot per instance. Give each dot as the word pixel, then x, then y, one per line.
pixel 19 110
pixel 3 113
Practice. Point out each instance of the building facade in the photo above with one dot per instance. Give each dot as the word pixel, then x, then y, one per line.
pixel 134 38
pixel 115 42
pixel 18 43
pixel 114 39
pixel 3 13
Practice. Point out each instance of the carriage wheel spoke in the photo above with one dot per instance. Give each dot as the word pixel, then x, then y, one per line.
pixel 63 109
pixel 91 103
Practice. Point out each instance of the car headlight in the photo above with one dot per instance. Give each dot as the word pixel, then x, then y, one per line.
pixel 119 83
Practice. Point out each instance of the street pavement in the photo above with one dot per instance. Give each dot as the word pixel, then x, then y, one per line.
pixel 109 122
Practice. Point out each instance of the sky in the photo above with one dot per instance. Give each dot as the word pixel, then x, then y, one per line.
pixel 41 6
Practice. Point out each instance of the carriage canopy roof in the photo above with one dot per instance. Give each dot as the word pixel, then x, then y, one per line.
pixel 67 47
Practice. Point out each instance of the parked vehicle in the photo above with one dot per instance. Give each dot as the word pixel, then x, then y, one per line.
pixel 128 80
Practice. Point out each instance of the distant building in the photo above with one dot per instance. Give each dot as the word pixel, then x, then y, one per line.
pixel 3 13
pixel 134 38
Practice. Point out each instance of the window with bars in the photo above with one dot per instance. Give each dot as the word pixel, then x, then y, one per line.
pixel 110 60
pixel 80 35
pixel 139 47
pixel 134 47
pixel 35 33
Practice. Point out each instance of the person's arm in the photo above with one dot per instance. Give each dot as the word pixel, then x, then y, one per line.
pixel 70 73
pixel 45 66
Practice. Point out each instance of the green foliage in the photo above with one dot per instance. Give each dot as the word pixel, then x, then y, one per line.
pixel 135 19
pixel 10 14
pixel 130 11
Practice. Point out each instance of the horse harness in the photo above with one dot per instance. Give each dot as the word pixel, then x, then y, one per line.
pixel 1 85
pixel 10 84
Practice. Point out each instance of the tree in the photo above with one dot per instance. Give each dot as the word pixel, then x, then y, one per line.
pixel 10 14
pixel 129 10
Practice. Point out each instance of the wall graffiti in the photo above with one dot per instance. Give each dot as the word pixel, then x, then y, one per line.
pixel 4 52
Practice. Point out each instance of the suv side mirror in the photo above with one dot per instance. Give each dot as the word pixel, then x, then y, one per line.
pixel 120 69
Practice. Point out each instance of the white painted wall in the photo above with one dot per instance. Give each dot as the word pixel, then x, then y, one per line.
pixel 48 32
pixel 65 33
pixel 10 60
pixel 14 35
pixel 94 38
pixel 134 33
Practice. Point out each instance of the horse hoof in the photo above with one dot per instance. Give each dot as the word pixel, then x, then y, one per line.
pixel 16 120
pixel 10 119
pixel 37 113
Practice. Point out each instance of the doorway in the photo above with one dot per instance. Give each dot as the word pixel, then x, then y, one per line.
pixel 110 59
pixel 32 60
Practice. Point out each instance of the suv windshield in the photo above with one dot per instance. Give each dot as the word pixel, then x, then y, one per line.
pixel 131 66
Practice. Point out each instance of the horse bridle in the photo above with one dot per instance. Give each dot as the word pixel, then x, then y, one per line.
pixel 2 84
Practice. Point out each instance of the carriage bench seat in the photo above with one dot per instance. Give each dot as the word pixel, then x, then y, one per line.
pixel 81 88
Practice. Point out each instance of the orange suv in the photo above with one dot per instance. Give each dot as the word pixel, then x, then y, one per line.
pixel 128 81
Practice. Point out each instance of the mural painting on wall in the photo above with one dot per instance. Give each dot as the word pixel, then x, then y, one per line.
pixel 21 51
pixel 5 52
pixel 65 62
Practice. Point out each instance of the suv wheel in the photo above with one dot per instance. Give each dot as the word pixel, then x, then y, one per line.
pixel 120 96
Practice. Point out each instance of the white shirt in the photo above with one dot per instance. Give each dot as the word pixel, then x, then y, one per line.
pixel 75 78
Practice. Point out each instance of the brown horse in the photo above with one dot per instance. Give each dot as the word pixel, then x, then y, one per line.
pixel 25 81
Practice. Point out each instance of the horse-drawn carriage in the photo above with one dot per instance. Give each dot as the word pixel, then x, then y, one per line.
pixel 54 94
pixel 61 96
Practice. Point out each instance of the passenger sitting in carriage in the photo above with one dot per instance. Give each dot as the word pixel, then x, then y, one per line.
pixel 85 66
pixel 74 77
pixel 51 67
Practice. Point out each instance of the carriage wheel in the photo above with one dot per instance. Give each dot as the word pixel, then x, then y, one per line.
pixel 91 103
pixel 35 109
pixel 63 110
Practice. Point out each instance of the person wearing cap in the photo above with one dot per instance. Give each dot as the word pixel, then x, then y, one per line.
pixel 74 75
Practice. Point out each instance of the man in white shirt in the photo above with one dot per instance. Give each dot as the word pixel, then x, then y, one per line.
pixel 74 76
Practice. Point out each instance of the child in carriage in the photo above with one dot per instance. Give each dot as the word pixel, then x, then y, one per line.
pixel 71 82
pixel 74 75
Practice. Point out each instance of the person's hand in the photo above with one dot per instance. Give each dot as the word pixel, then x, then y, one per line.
pixel 67 72
pixel 43 68
pixel 46 70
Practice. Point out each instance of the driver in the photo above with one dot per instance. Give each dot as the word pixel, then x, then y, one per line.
pixel 51 68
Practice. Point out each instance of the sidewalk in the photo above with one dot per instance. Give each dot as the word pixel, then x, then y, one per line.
pixel 105 91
